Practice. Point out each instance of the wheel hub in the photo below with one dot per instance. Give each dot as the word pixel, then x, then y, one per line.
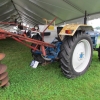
pixel 81 56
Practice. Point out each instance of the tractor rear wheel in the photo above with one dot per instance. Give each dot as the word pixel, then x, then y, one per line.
pixel 76 54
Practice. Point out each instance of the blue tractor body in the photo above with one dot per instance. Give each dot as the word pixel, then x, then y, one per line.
pixel 94 36
pixel 52 53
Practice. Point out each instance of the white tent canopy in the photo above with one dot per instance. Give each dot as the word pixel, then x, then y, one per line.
pixel 32 12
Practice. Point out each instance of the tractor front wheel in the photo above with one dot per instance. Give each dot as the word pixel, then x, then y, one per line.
pixel 76 54
pixel 38 57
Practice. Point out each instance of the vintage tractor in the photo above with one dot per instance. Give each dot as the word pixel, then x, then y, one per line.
pixel 73 47
pixel 71 44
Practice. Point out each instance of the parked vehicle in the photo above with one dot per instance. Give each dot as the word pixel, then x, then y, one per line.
pixel 74 46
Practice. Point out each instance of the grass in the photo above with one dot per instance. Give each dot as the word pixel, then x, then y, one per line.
pixel 45 82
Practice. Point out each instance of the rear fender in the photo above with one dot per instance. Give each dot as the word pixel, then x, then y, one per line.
pixel 74 28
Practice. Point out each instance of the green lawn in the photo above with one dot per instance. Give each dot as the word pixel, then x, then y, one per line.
pixel 45 82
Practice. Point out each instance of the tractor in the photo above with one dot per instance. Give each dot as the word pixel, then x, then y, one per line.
pixel 72 45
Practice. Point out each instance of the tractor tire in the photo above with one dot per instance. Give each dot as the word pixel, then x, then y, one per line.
pixel 38 57
pixel 99 53
pixel 76 54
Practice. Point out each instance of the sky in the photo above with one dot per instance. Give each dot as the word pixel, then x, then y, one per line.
pixel 94 23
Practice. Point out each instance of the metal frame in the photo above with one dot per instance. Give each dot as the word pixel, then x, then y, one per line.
pixel 15 8
pixel 23 38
